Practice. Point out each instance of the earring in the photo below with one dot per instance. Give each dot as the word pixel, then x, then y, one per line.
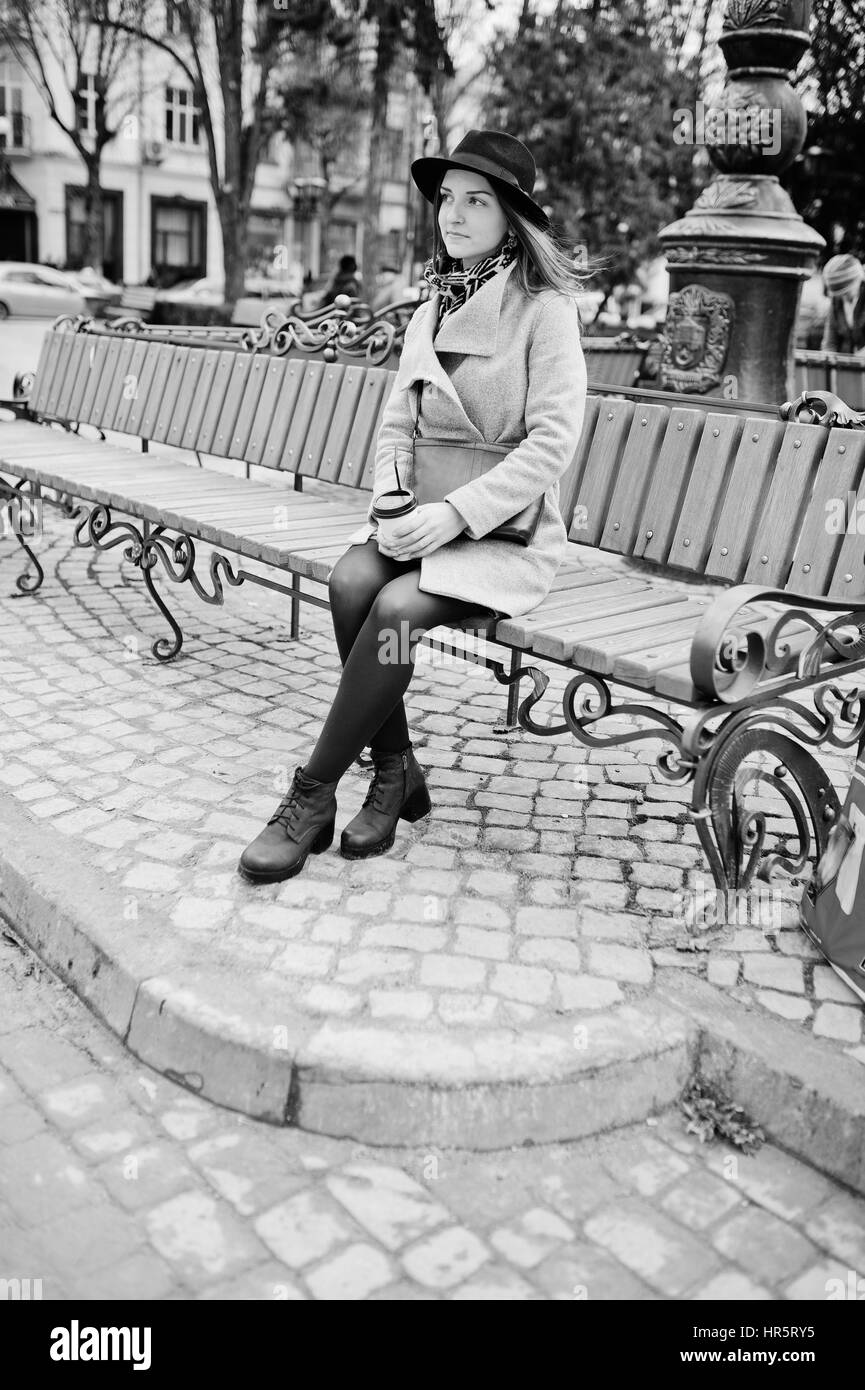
pixel 512 238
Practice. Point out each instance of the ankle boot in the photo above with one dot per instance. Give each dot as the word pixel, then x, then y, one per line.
pixel 398 791
pixel 302 823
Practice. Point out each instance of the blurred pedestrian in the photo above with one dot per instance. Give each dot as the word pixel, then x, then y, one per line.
pixel 844 278
pixel 345 281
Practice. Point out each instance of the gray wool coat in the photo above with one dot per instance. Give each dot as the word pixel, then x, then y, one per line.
pixel 505 368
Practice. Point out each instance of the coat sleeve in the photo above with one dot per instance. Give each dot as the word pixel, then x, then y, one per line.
pixel 395 431
pixel 554 411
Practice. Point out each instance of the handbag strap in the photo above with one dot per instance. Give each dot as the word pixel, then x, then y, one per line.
pixel 416 431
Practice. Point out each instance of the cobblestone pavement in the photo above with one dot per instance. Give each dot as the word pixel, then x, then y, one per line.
pixel 548 880
pixel 114 1183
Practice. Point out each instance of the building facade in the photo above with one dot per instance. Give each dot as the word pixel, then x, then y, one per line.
pixel 160 216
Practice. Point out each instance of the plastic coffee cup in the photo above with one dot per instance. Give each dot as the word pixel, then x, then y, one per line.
pixel 391 507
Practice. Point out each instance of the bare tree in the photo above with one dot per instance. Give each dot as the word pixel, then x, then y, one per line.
pixel 230 51
pixel 80 66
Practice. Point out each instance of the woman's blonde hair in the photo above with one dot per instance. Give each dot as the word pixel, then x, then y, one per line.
pixel 542 264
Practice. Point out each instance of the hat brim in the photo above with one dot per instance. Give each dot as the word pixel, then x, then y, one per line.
pixel 428 171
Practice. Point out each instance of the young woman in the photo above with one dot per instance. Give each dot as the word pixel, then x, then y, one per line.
pixel 497 351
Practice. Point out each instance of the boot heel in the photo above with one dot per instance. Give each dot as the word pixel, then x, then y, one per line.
pixel 324 839
pixel 418 805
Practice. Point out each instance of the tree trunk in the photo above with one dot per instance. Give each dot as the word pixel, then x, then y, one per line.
pixel 234 223
pixel 94 218
pixel 375 173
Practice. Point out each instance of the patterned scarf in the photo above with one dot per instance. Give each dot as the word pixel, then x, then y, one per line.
pixel 457 286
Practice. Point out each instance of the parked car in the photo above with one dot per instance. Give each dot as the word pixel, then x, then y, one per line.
pixel 98 290
pixel 258 292
pixel 28 290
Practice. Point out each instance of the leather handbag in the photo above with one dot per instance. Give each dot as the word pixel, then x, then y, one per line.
pixel 442 465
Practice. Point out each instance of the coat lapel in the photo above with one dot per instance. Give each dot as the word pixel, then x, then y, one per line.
pixel 473 330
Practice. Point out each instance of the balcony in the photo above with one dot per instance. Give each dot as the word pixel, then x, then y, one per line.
pixel 15 133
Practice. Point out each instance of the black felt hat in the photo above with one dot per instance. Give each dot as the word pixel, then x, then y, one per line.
pixel 501 157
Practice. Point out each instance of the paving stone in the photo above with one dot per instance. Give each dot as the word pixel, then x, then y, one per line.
pixel 776 972
pixel 353 1274
pixel 41 1180
pixel 620 963
pixel 528 983
pixel 529 1240
pixel 730 1287
pixel 587 992
pixel 198 1237
pixel 446 1258
pixel 763 1245
pixel 303 1228
pixel 452 972
pixel 388 1203
pixel 585 1273
pixel 838 1021
pixel 660 1252
pixel 784 1004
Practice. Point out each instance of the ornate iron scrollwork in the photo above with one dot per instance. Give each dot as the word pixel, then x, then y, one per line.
pixel 734 654
pixel 177 555
pixel 822 408
pixel 19 510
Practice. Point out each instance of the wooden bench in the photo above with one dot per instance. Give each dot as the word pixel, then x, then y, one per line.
pixel 837 372
pixel 657 499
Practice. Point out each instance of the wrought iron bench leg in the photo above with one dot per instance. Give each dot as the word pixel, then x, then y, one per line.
pixel 22 516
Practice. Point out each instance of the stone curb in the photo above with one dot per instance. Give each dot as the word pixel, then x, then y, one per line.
pixel 780 1077
pixel 477 1089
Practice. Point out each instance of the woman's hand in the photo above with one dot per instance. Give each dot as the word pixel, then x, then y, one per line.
pixel 427 529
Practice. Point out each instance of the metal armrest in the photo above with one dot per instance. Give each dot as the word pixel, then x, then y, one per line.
pixel 731 657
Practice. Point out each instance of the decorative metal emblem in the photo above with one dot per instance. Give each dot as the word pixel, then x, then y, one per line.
pixel 697 338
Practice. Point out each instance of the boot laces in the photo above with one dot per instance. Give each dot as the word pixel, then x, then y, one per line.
pixel 376 794
pixel 288 807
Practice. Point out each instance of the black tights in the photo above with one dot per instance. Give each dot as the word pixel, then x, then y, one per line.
pixel 378 614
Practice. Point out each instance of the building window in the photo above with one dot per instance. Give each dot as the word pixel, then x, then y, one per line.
pixel 181 117
pixel 88 99
pixel 11 108
pixel 178 240
pixel 112 223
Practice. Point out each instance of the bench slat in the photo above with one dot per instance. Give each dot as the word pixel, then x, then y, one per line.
pixel 823 530
pixel 195 412
pixel 668 484
pixel 640 459
pixel 569 483
pixel 572 607
pixel 96 414
pixel 326 405
pixel 143 387
pixel 121 381
pixel 220 443
pixel 602 468
pixel 631 614
pixel 96 361
pixel 601 654
pixel 743 504
pixel 73 364
pixel 247 407
pixel 361 436
pixel 707 487
pixel 785 506
pixel 291 456
pixel 79 385
pixel 336 440
pixel 170 395
pixel 275 408
pixel 368 475
pixel 44 371
pixel 216 394
pixel 65 346
pixel 187 393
